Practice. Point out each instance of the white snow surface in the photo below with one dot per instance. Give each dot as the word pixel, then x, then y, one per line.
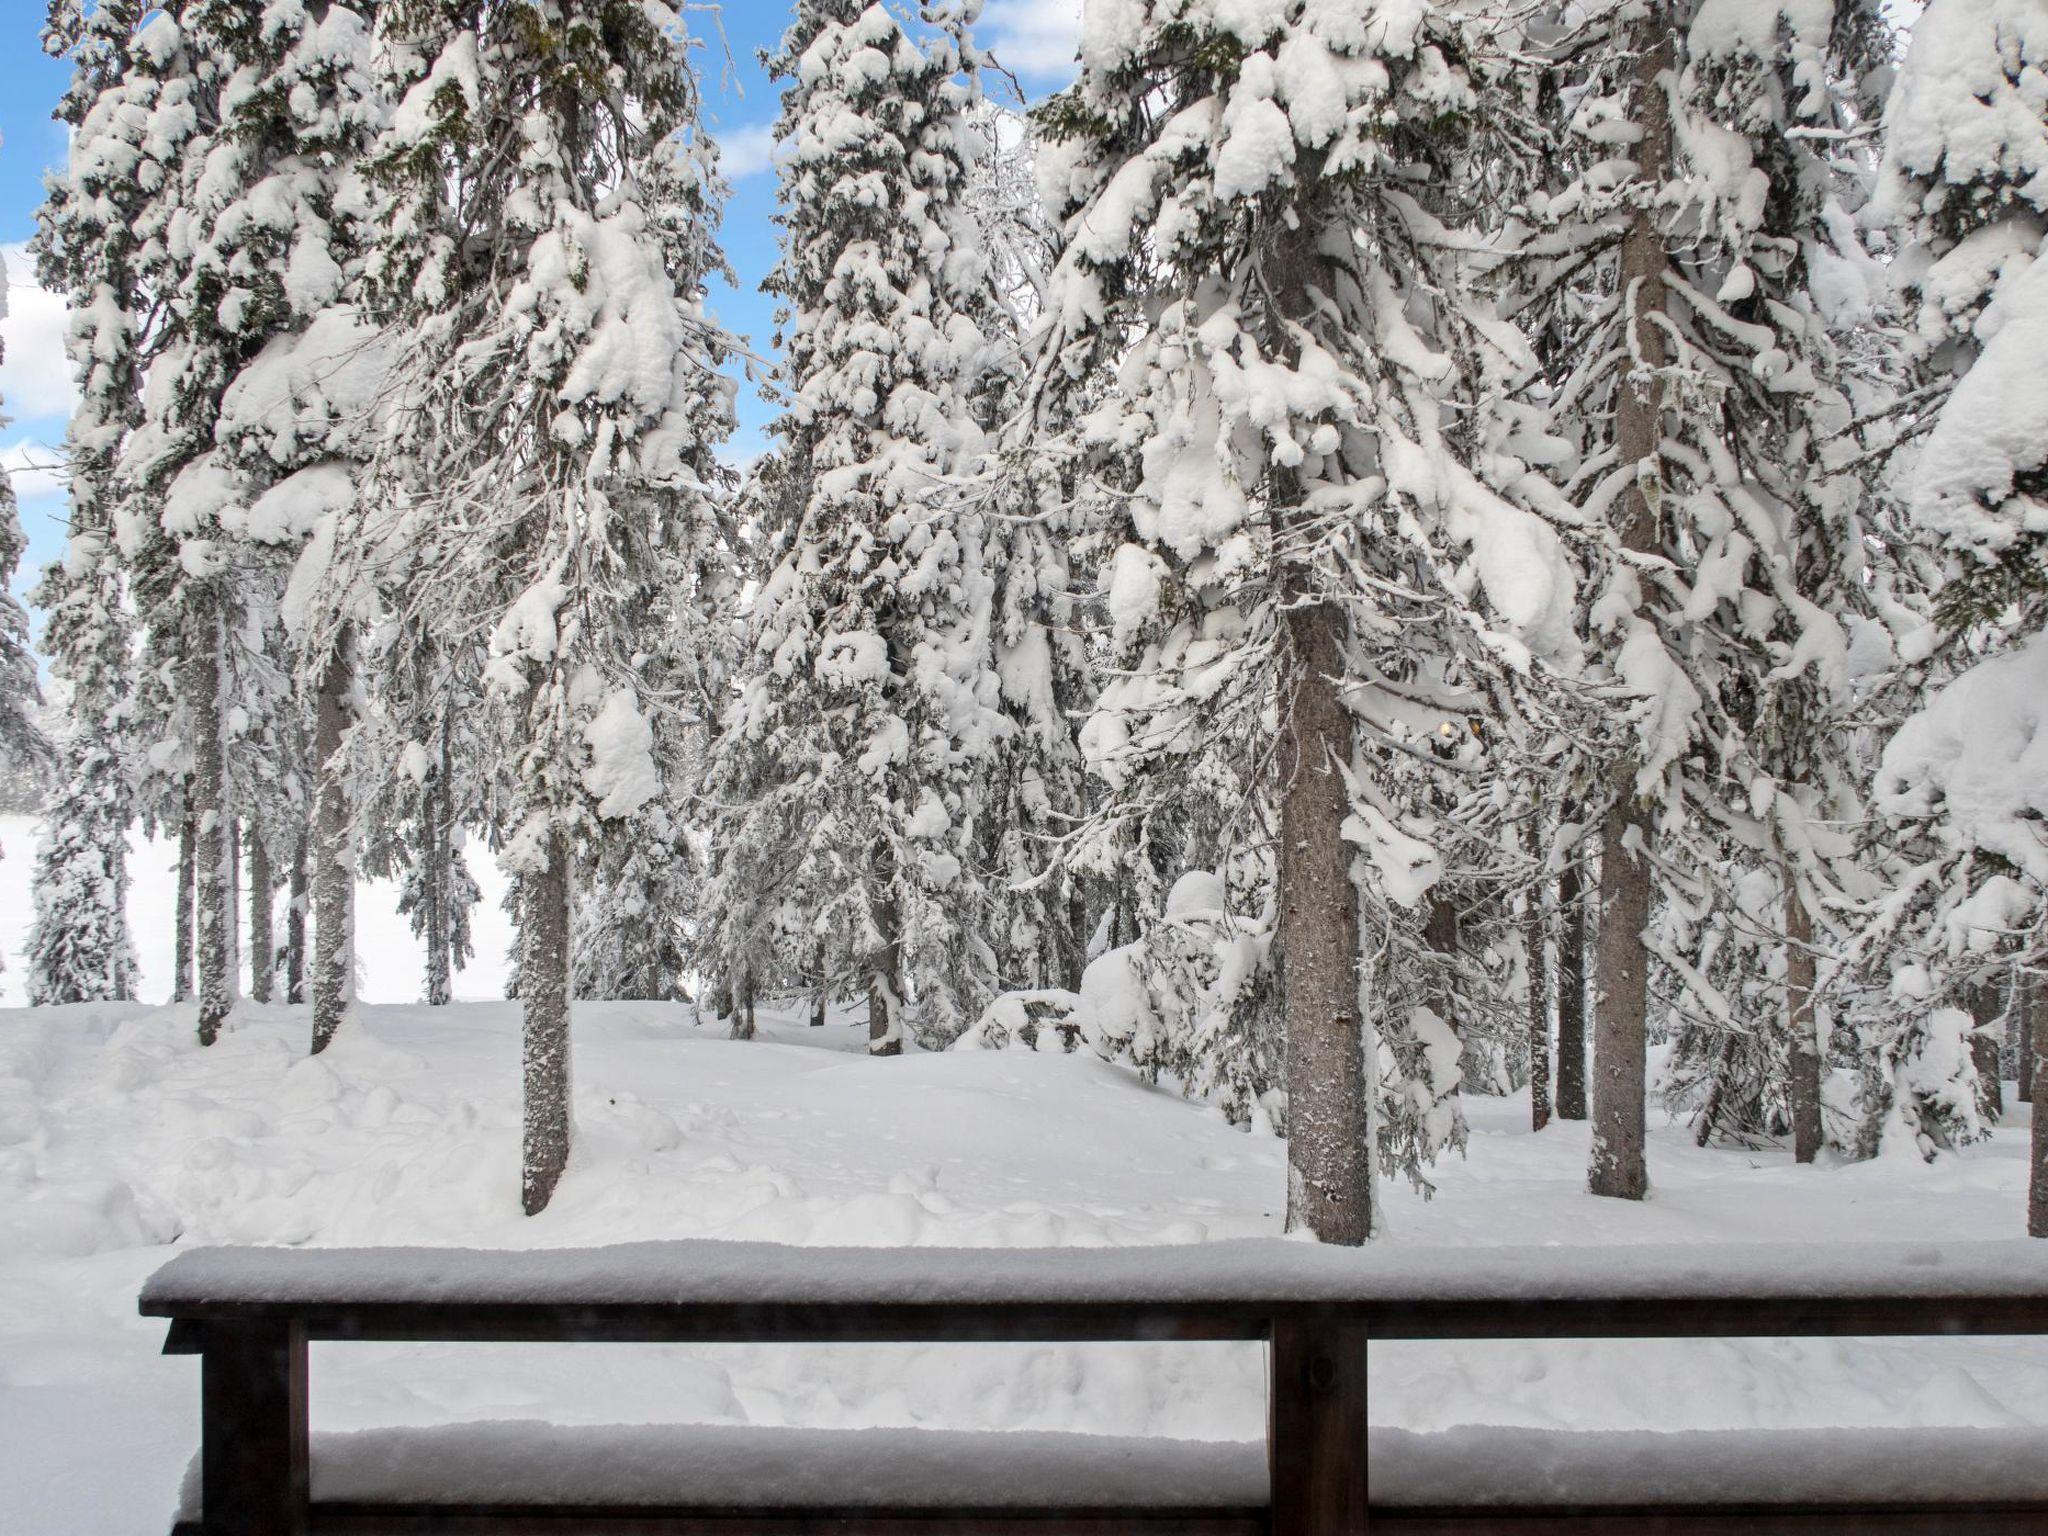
pixel 1245 1269
pixel 515 1462
pixel 123 1143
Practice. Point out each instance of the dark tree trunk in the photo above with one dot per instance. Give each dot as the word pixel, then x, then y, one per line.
pixel 1621 955
pixel 1535 941
pixel 1330 1192
pixel 433 898
pixel 188 877
pixel 210 847
pixel 1571 993
pixel 1987 1052
pixel 1440 933
pixel 2037 1186
pixel 440 853
pixel 235 900
pixel 296 899
pixel 885 966
pixel 333 856
pixel 262 952
pixel 1329 1127
pixel 544 996
pixel 743 1011
pixel 1804 1057
pixel 818 997
pixel 2026 1007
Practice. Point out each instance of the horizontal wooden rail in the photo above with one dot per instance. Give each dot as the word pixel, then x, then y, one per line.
pixel 250 1315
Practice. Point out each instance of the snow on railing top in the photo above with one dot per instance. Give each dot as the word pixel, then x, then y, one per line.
pixel 1254 1271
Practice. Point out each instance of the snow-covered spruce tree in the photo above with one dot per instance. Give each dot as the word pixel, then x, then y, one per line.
pixel 1687 294
pixel 168 486
pixel 1963 192
pixel 21 740
pixel 847 774
pixel 85 247
pixel 547 420
pixel 284 250
pixel 1320 528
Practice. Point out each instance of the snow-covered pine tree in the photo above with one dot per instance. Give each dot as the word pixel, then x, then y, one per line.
pixel 547 422
pixel 169 488
pixel 1034 793
pixel 1687 302
pixel 1325 543
pixel 298 110
pixel 847 775
pixel 21 739
pixel 85 248
pixel 1966 143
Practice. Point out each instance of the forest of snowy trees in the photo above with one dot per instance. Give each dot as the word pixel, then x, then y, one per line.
pixel 1361 554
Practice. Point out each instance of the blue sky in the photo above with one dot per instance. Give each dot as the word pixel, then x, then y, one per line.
pixel 1033 38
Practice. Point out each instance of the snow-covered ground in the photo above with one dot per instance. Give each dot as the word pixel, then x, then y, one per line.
pixel 120 1137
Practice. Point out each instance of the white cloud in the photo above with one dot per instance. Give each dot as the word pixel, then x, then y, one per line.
pixel 36 469
pixel 1034 37
pixel 747 150
pixel 35 376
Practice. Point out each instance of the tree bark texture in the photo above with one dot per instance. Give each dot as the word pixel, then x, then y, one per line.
pixel 1621 956
pixel 262 951
pixel 1535 942
pixel 2026 1007
pixel 333 854
pixel 885 965
pixel 1571 994
pixel 2037 1184
pixel 1329 1129
pixel 188 875
pixel 296 900
pixel 210 838
pixel 438 826
pixel 544 998
pixel 1987 1054
pixel 1804 1061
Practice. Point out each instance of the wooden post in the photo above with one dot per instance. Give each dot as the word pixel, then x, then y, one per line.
pixel 1315 1436
pixel 254 1460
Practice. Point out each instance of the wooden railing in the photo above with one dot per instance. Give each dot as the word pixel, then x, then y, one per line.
pixel 250 1314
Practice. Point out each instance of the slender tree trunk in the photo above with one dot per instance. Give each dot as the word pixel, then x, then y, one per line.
pixel 235 899
pixel 1987 1052
pixel 1535 944
pixel 544 995
pixel 1440 933
pixel 1804 1061
pixel 743 1011
pixel 333 856
pixel 439 893
pixel 188 877
pixel 262 952
pixel 2037 1188
pixel 885 967
pixel 210 848
pixel 818 997
pixel 2026 1005
pixel 1571 994
pixel 433 855
pixel 1621 958
pixel 1710 1112
pixel 296 898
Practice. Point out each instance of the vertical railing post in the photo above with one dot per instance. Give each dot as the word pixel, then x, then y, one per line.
pixel 253 1458
pixel 1315 1433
